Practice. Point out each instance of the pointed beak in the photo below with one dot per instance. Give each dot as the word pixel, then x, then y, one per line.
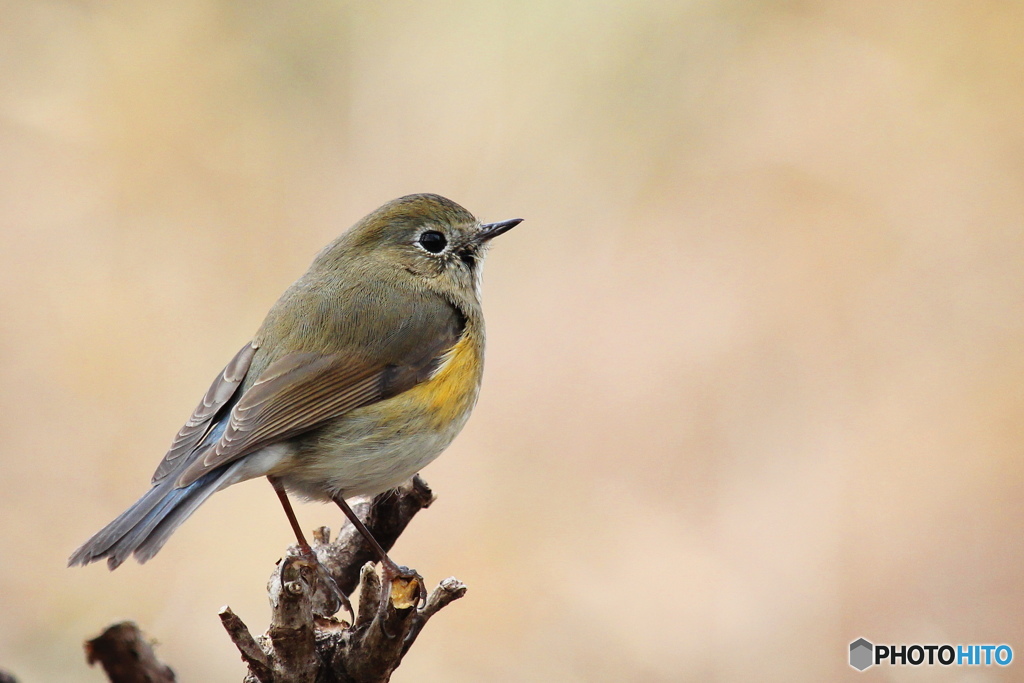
pixel 489 231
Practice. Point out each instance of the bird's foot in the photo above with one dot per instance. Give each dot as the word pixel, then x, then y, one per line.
pixel 334 598
pixel 401 586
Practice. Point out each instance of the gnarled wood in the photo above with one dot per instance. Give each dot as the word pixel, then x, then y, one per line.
pixel 307 642
pixel 126 656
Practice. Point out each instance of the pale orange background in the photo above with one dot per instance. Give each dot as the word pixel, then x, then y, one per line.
pixel 755 381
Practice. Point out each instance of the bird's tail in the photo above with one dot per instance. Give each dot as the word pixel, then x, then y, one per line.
pixel 143 528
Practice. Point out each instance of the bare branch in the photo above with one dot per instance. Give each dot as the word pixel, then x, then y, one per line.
pixel 252 654
pixel 306 642
pixel 127 656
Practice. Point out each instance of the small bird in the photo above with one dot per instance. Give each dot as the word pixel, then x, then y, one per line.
pixel 363 372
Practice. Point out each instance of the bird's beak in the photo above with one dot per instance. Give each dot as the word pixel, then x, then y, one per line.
pixel 489 231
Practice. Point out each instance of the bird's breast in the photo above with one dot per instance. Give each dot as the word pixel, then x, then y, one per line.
pixel 451 392
pixel 377 447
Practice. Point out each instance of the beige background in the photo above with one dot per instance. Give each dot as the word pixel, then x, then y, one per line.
pixel 755 366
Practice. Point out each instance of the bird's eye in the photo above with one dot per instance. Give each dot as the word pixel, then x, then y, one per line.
pixel 433 241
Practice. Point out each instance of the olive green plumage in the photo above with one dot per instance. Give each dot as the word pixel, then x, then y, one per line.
pixel 363 371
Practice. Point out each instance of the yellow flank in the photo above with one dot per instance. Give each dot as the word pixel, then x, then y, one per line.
pixel 450 393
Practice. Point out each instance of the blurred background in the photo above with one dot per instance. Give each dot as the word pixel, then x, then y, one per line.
pixel 755 361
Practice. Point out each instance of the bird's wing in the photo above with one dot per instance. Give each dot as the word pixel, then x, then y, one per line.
pixel 300 391
pixel 204 416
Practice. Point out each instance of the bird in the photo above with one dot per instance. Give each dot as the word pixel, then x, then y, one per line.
pixel 362 373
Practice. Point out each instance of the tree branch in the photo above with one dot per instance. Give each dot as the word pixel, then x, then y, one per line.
pixel 306 642
pixel 127 656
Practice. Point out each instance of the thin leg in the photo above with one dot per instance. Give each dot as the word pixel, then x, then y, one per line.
pixel 307 551
pixel 361 528
pixel 389 568
pixel 287 505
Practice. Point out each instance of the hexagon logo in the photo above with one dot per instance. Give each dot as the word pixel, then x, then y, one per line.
pixel 861 652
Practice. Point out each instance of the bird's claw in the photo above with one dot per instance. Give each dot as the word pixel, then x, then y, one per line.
pixel 324 578
pixel 397 584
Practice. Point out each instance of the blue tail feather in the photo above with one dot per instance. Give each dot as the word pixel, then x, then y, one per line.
pixel 144 527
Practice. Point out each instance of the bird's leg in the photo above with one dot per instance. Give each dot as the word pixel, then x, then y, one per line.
pixel 389 568
pixel 290 513
pixel 306 550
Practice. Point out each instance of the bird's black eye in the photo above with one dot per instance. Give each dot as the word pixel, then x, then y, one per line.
pixel 433 241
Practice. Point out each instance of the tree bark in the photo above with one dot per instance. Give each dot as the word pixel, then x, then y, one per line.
pixel 307 641
pixel 127 656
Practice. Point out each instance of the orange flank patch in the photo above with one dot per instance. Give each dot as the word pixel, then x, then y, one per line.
pixel 452 391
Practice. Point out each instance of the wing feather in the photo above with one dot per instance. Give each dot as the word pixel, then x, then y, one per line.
pixel 301 391
pixel 201 422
